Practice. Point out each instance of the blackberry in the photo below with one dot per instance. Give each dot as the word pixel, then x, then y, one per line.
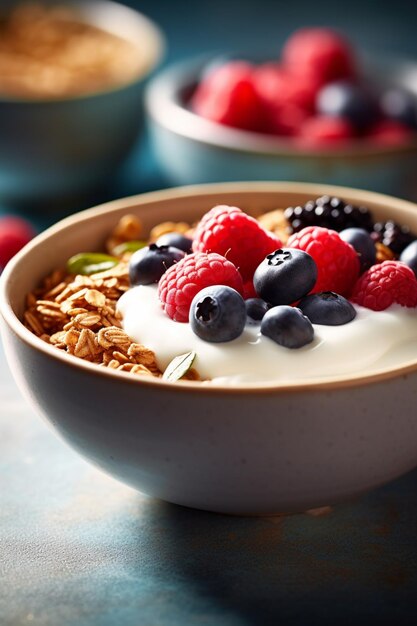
pixel 328 212
pixel 392 235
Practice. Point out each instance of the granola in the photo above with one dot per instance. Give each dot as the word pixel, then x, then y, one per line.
pixel 78 314
pixel 50 52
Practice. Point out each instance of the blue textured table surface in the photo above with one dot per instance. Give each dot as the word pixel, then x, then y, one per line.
pixel 79 548
pixel 76 547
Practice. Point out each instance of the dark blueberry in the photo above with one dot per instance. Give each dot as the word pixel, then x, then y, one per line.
pixel 287 326
pixel 393 235
pixel 285 276
pixel 409 256
pixel 147 265
pixel 256 308
pixel 400 105
pixel 218 314
pixel 349 101
pixel 364 245
pixel 327 308
pixel 328 212
pixel 176 240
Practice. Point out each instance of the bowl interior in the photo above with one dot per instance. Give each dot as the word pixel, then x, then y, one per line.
pixel 169 92
pixel 118 20
pixel 87 231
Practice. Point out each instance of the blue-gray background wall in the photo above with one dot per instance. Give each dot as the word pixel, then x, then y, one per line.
pixel 256 25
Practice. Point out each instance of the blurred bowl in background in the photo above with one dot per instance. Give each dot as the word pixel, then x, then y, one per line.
pixel 66 145
pixel 192 149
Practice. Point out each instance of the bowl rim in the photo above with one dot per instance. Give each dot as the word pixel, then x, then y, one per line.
pixel 328 383
pixel 162 103
pixel 159 48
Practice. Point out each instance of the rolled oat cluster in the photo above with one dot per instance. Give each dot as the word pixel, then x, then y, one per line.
pixel 78 313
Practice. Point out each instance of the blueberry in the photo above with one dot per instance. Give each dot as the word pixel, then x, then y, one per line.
pixel 364 245
pixel 287 326
pixel 285 276
pixel 218 314
pixel 400 105
pixel 147 265
pixel 409 256
pixel 349 101
pixel 176 240
pixel 256 308
pixel 327 308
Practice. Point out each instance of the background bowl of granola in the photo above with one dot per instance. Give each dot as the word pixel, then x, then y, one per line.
pixel 71 82
pixel 255 449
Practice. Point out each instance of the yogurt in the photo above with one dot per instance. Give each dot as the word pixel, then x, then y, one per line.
pixel 374 340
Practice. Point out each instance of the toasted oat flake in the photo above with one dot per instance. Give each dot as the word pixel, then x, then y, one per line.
pixel 86 320
pixel 168 227
pixel 95 298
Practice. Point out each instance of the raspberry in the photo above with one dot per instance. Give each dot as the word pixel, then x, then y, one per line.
pixel 390 133
pixel 182 281
pixel 232 233
pixel 337 261
pixel 320 53
pixel 15 232
pixel 228 96
pixel 287 120
pixel 249 290
pixel 279 88
pixel 385 284
pixel 288 99
pixel 323 131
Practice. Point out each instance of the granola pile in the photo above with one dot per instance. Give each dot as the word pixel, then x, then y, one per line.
pixel 78 313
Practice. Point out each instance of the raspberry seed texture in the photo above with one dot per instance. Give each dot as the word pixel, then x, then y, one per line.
pixel 239 237
pixel 182 281
pixel 384 284
pixel 337 261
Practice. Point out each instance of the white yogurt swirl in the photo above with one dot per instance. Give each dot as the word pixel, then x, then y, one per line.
pixel 374 340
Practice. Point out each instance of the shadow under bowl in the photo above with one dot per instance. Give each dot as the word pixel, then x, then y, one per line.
pixel 259 449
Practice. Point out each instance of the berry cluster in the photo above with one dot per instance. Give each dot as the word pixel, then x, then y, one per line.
pixel 333 213
pixel 233 272
pixel 329 212
pixel 313 94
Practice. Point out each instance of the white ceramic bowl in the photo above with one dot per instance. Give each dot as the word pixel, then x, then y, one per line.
pixel 191 149
pixel 259 450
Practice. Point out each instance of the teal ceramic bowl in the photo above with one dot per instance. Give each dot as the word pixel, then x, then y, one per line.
pixel 66 147
pixel 192 149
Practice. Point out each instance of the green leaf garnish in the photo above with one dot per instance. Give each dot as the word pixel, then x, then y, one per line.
pixel 91 263
pixel 179 366
pixel 129 246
